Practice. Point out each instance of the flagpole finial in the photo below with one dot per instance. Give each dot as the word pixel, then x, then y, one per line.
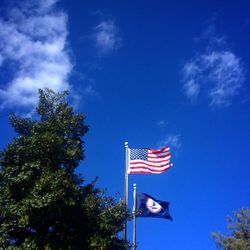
pixel 126 144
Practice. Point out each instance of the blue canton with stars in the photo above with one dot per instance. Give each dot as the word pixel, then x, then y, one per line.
pixel 139 154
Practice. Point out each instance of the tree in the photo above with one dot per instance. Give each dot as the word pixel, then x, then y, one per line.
pixel 239 226
pixel 43 202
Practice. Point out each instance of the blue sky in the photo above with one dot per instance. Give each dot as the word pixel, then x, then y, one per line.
pixel 150 73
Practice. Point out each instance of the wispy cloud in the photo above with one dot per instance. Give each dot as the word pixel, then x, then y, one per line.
pixel 171 140
pixel 33 38
pixel 216 70
pixel 162 123
pixel 107 38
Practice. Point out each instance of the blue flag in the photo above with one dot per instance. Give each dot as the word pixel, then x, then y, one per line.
pixel 150 207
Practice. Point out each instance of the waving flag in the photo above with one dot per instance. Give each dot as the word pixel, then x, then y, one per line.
pixel 149 161
pixel 150 207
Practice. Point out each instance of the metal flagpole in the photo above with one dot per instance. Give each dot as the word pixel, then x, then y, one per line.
pixel 134 219
pixel 126 188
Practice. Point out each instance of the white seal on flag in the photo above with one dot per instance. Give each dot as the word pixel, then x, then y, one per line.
pixel 153 206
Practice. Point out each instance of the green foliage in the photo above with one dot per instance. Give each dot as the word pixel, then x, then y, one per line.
pixel 239 226
pixel 43 203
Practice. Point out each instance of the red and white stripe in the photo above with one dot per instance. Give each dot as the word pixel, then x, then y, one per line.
pixel 158 162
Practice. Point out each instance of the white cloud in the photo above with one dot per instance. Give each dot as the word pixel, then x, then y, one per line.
pixel 33 37
pixel 217 71
pixel 106 36
pixel 173 141
pixel 191 88
pixel 162 123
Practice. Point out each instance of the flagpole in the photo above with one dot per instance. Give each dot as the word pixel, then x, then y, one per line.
pixel 126 189
pixel 134 219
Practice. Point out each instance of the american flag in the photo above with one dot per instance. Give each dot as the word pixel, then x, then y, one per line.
pixel 149 161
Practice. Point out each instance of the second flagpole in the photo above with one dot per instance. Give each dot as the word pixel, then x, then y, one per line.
pixel 134 218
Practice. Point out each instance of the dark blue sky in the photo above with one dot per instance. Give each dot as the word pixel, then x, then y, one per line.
pixel 150 73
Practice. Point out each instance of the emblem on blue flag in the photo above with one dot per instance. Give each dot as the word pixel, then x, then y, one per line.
pixel 150 207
